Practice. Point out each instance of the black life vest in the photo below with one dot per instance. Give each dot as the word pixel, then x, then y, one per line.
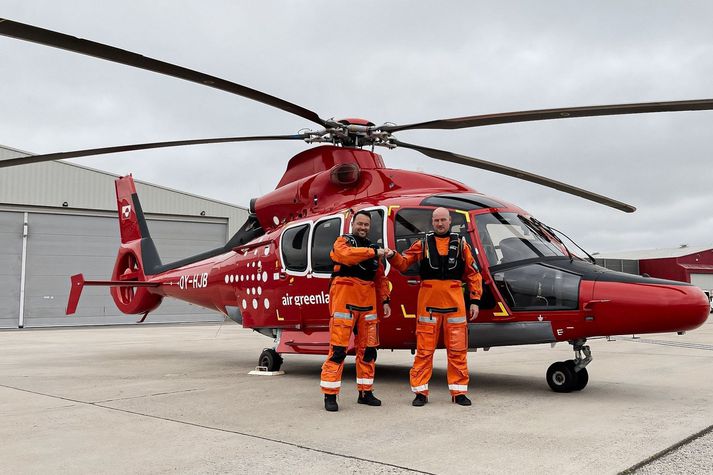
pixel 365 270
pixel 436 267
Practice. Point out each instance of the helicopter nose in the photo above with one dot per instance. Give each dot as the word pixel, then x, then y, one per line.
pixel 647 306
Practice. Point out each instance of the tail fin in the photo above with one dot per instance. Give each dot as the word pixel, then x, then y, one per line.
pixel 132 224
pixel 137 256
pixel 131 216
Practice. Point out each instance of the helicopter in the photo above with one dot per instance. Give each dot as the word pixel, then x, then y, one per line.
pixel 273 275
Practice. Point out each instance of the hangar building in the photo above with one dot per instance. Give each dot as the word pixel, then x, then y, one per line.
pixel 58 219
pixel 684 264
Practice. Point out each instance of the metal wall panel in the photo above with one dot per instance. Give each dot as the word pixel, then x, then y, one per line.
pixel 10 266
pixel 704 281
pixel 54 183
pixel 62 245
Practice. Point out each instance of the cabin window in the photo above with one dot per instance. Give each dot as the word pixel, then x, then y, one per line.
pixel 538 287
pixel 376 229
pixel 325 233
pixel 507 238
pixel 410 225
pixel 294 248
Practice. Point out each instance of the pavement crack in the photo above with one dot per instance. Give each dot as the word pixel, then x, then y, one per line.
pixel 218 429
pixel 144 395
pixel 667 451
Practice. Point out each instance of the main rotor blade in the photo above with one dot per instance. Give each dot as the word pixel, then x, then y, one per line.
pixel 514 172
pixel 54 39
pixel 142 146
pixel 549 114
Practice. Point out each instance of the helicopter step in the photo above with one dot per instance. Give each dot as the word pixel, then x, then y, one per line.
pixel 571 375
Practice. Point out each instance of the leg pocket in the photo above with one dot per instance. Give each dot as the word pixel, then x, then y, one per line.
pixel 458 337
pixel 425 337
pixel 372 334
pixel 340 331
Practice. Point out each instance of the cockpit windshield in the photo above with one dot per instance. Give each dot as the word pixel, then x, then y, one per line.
pixel 508 237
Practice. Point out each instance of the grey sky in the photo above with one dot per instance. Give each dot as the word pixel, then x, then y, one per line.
pixel 397 61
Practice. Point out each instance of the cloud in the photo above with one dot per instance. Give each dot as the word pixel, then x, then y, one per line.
pixel 399 61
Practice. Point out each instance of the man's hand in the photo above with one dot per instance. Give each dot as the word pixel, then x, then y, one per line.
pixel 389 253
pixel 473 312
pixel 387 310
pixel 380 252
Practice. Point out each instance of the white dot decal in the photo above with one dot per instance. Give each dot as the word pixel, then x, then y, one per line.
pixel 252 277
pixel 255 304
pixel 226 279
pixel 241 278
pixel 259 263
pixel 266 303
pixel 264 276
pixel 245 304
pixel 252 290
pixel 231 279
pixel 276 220
pixel 267 250
pixel 259 290
pixel 259 277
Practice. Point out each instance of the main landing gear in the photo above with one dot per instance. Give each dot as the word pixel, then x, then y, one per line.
pixel 270 359
pixel 571 375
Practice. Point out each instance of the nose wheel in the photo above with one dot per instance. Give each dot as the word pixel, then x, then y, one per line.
pixel 270 359
pixel 571 375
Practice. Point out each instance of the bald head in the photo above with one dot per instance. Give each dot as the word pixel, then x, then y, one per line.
pixel 441 221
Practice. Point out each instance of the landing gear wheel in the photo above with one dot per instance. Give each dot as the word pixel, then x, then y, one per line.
pixel 581 377
pixel 561 377
pixel 270 359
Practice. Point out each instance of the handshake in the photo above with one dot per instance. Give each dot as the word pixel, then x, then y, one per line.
pixel 385 252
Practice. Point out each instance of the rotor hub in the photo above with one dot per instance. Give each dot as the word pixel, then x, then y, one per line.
pixel 350 133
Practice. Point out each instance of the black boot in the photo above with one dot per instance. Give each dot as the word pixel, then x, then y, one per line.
pixel 461 400
pixel 420 400
pixel 330 402
pixel 367 397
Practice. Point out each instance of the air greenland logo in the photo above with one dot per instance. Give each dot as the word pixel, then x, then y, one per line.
pixel 126 211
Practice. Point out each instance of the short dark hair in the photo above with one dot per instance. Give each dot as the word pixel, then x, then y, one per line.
pixel 362 213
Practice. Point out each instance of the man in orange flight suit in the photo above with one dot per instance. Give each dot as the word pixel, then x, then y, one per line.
pixel 358 283
pixel 446 260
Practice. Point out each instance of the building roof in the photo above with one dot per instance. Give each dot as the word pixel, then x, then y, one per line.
pixel 62 184
pixel 654 253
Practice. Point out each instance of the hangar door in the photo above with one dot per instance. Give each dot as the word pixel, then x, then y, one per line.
pixel 60 245
pixel 704 281
pixel 11 225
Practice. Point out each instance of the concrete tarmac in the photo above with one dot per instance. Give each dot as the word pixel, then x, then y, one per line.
pixel 178 399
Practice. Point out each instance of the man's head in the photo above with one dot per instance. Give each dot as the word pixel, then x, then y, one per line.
pixel 361 224
pixel 441 221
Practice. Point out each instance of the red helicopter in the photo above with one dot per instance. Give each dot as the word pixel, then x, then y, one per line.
pixel 273 275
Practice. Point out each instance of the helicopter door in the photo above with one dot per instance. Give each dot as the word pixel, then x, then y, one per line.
pixel 294 246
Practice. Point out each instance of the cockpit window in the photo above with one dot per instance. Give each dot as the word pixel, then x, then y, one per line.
pixel 507 238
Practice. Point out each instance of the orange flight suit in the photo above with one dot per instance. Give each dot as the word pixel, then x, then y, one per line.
pixel 441 306
pixel 352 301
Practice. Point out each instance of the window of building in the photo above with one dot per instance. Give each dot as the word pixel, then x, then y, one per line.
pixel 294 248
